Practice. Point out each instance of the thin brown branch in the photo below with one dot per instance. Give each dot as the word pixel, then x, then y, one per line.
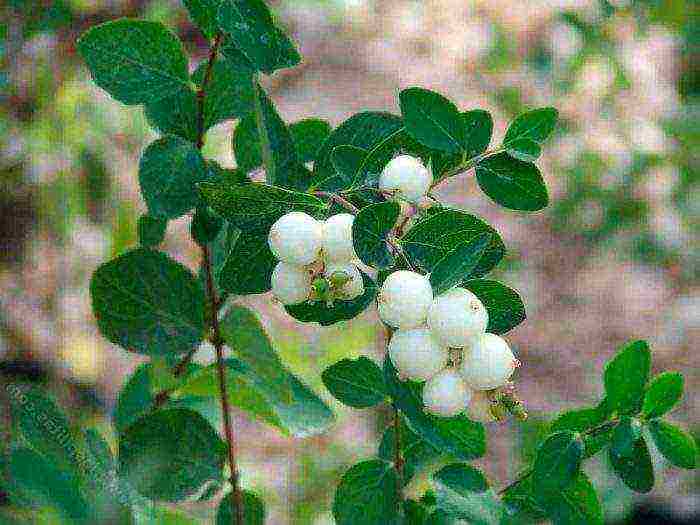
pixel 201 92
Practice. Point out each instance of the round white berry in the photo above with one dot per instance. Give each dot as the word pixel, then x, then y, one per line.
pixel 291 284
pixel 479 408
pixel 416 354
pixel 337 238
pixel 296 238
pixel 404 299
pixel 489 363
pixel 353 286
pixel 407 176
pixel 456 317
pixel 446 394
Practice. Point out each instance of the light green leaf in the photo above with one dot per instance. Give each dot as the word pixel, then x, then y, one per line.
pixel 676 445
pixel 151 230
pixel 203 13
pixel 148 303
pixel 463 492
pixel 253 510
pixel 458 265
pixel 558 461
pixel 357 383
pixel 512 183
pixel 136 61
pixel 626 376
pixel 370 231
pixel 636 469
pixel 528 131
pixel 367 494
pixel 662 395
pixel 503 304
pixel 309 135
pixel 432 119
pixel 249 266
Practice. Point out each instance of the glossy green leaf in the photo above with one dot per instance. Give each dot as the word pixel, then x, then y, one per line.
pixel 512 183
pixel 662 395
pixel 463 492
pixel 432 119
pixel 203 13
pixel 431 239
pixel 367 494
pixel 583 420
pixel 148 303
pixel 577 504
pixel 357 383
pixel 348 161
pixel 478 128
pixel 528 131
pixel 458 265
pixel 625 435
pixel 416 451
pixel 151 230
pixel 370 231
pixel 169 171
pixel 250 25
pixel 503 304
pixel 677 446
pixel 636 469
pixel 248 267
pixel 136 61
pixel 309 136
pixel 253 510
pixel 626 376
pixel 175 114
pixel 558 461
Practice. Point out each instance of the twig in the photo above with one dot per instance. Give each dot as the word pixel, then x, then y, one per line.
pixel 201 92
pixel 467 165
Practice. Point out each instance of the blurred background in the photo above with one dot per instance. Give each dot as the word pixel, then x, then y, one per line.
pixel 615 257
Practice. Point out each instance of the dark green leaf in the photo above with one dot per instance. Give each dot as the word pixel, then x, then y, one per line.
pixel 577 504
pixel 522 505
pixel 253 510
pixel 478 128
pixel 348 161
pixel 249 24
pixel 367 494
pixel 626 376
pixel 583 420
pixel 458 265
pixel 246 144
pixel 432 119
pixel 136 61
pixel 134 398
pixel 309 135
pixel 503 304
pixel 151 230
pixel 429 241
pixel 205 225
pixel 357 383
pixel 102 456
pixel 662 395
pixel 635 470
pixel 512 183
pixel 175 114
pixel 203 13
pixel 254 207
pixel 625 435
pixel 558 461
pixel 370 231
pixel 528 131
pixel 320 312
pixel 169 171
pixel 676 445
pixel 148 303
pixel 415 450
pixel 464 492
pixel 248 267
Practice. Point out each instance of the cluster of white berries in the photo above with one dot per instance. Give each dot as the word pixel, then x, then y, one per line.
pixel 443 341
pixel 317 259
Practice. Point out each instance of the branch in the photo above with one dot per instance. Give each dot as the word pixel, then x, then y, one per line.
pixel 466 166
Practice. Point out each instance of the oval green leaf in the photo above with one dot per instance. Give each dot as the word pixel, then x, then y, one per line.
pixel 458 265
pixel 558 461
pixel 635 470
pixel 626 376
pixel 505 307
pixel 370 231
pixel 512 183
pixel 367 494
pixel 676 445
pixel 432 119
pixel 528 131
pixel 662 395
pixel 357 383
pixel 253 510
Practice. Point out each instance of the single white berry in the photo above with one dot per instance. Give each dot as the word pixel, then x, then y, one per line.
pixel 489 363
pixel 404 299
pixel 337 238
pixel 407 176
pixel 291 284
pixel 416 354
pixel 479 408
pixel 446 394
pixel 296 238
pixel 354 287
pixel 456 317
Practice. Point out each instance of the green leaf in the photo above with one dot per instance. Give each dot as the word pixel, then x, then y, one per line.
pixel 301 411
pixel 415 450
pixel 205 226
pixel 148 303
pixel 249 266
pixel 253 510
pixel 626 376
pixel 478 128
pixel 249 23
pixel 528 131
pixel 463 492
pixel 169 171
pixel 512 183
pixel 676 445
pixel 558 461
pixel 662 395
pixel 583 420
pixel 503 304
pixel 309 135
pixel 246 144
pixel 367 494
pixel 153 459
pixel 635 470
pixel 370 231
pixel 134 398
pixel 151 230
pixel 254 207
pixel 348 161
pixel 136 61
pixel 357 383
pixel 100 451
pixel 175 114
pixel 431 239
pixel 432 119
pixel 459 264
pixel 625 435
pixel 320 312
pixel 577 504
pixel 203 13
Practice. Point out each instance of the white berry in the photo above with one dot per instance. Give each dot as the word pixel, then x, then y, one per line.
pixel 406 175
pixel 355 285
pixel 337 238
pixel 296 238
pixel 479 408
pixel 291 284
pixel 446 394
pixel 456 317
pixel 416 354
pixel 489 363
pixel 404 299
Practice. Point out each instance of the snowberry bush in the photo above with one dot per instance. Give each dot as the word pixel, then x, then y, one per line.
pixel 332 222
